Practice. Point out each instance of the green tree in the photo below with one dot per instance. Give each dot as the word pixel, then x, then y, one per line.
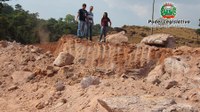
pixel 70 19
pixel 96 29
pixel 21 26
pixel 71 24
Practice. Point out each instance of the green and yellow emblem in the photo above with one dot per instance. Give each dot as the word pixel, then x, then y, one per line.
pixel 168 11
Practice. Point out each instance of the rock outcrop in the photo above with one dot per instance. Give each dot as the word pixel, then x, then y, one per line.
pixel 117 38
pixel 160 40
pixel 110 56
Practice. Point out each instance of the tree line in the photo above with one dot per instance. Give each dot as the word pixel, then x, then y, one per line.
pixel 17 24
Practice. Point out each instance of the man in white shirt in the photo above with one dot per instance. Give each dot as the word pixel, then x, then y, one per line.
pixel 90 23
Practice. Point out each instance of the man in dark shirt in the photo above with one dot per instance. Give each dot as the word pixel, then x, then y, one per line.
pixel 82 17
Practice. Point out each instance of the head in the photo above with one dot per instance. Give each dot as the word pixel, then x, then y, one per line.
pixel 84 6
pixel 91 8
pixel 105 14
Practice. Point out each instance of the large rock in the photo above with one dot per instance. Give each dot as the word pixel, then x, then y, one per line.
pixel 136 104
pixel 22 76
pixel 160 40
pixel 117 38
pixel 174 68
pixel 63 59
pixel 144 103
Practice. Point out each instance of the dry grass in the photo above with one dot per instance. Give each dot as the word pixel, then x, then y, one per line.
pixel 183 36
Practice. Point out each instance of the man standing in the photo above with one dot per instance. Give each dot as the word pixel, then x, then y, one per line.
pixel 90 23
pixel 82 16
pixel 104 26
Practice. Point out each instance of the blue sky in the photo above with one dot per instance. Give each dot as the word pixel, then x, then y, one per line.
pixel 121 12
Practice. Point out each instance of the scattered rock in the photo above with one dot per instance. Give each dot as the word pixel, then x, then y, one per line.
pixel 91 80
pixel 63 59
pixel 160 40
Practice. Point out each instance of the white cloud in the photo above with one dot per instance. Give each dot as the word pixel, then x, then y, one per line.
pixel 141 10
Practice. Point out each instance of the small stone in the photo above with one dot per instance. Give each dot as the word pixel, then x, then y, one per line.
pixel 5 75
pixel 91 80
pixel 34 50
pixel 107 84
pixel 63 100
pixel 12 88
pixel 59 93
pixel 49 68
pixel 40 105
pixel 39 96
pixel 31 77
pixel 50 73
pixel 170 84
pixel 48 52
pixel 59 86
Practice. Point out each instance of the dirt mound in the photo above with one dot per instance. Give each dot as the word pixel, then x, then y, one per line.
pixel 98 77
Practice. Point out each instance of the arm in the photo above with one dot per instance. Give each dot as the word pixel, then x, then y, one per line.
pixel 110 23
pixel 93 19
pixel 77 15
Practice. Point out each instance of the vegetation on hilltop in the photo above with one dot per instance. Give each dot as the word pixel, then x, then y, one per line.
pixel 25 27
